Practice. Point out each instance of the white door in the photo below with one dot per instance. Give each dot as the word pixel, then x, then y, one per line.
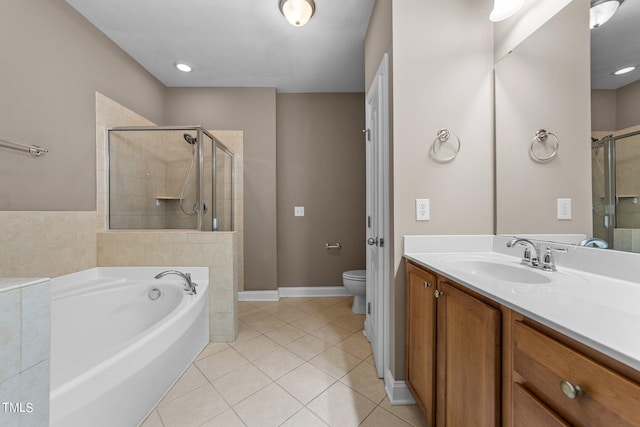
pixel 377 152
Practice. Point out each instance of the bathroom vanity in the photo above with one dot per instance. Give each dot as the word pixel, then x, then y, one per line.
pixel 491 342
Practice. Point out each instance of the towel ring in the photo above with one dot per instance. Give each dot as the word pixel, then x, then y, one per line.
pixel 542 136
pixel 443 136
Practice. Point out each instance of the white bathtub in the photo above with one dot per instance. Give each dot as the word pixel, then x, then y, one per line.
pixel 114 351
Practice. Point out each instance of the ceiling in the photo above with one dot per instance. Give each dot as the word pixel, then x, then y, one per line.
pixel 239 43
pixel 614 45
pixel 248 43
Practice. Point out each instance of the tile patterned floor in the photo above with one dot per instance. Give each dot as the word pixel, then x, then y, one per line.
pixel 298 362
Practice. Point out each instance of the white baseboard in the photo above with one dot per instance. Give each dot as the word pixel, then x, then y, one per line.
pixel 313 291
pixel 294 292
pixel 258 296
pixel 397 391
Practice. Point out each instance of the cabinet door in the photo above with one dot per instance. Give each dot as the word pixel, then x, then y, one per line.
pixel 468 360
pixel 529 411
pixel 420 339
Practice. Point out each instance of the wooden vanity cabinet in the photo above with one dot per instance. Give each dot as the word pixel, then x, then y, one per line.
pixel 453 352
pixel 572 386
pixel 472 362
pixel 420 368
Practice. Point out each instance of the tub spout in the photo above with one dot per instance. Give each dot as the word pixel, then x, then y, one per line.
pixel 189 286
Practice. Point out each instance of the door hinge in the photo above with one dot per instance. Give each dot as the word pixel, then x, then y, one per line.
pixel 368 308
pixel 369 221
pixel 368 134
pixel 381 242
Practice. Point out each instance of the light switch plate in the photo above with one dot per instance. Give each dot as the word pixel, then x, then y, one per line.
pixel 564 208
pixel 298 211
pixel 422 210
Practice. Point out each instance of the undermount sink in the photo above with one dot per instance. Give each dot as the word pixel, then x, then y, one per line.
pixel 499 271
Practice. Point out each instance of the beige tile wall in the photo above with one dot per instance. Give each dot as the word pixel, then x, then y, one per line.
pixel 24 372
pixel 46 244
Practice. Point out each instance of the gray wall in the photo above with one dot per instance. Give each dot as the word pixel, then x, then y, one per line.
pixel 321 166
pixel 603 110
pixel 252 110
pixel 53 62
pixel 615 109
pixel 628 106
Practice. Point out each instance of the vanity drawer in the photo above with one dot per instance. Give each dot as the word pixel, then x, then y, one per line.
pixel 608 398
pixel 529 411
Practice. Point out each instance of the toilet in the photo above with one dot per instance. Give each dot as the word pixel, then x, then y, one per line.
pixel 356 282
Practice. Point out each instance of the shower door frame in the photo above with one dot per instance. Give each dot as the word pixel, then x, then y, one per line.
pixel 200 170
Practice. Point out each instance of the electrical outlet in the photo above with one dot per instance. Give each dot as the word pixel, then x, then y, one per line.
pixel 298 211
pixel 422 210
pixel 564 208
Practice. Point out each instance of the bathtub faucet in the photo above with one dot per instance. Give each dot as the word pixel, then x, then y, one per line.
pixel 189 286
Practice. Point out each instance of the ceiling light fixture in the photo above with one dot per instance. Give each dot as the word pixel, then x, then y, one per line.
pixel 183 66
pixel 601 12
pixel 297 12
pixel 503 9
pixel 624 70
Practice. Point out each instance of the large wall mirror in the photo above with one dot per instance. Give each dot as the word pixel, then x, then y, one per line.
pixel 545 83
pixel 615 125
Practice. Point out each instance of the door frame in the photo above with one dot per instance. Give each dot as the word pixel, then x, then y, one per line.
pixel 380 83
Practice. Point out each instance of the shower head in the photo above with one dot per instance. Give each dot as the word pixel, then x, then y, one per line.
pixel 190 139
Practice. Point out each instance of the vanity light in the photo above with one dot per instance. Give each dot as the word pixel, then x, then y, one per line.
pixel 503 9
pixel 297 12
pixel 182 66
pixel 602 12
pixel 624 70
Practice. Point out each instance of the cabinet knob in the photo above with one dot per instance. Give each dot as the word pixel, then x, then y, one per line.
pixel 438 293
pixel 427 285
pixel 570 390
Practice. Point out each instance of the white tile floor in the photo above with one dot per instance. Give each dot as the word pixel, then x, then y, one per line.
pixel 299 362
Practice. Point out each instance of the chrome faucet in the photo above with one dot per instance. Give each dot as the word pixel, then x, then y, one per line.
pixel 531 253
pixel 594 242
pixel 189 286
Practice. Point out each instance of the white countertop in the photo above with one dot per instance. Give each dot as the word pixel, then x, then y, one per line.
pixel 597 310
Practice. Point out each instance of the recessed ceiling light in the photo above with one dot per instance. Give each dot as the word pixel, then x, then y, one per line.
pixel 624 70
pixel 182 66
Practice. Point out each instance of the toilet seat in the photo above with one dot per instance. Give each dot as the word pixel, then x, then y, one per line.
pixel 355 275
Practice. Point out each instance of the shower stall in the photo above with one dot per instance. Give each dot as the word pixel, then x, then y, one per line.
pixel 169 177
pixel 616 188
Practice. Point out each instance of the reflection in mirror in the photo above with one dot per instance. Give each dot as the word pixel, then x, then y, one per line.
pixel 544 84
pixel 615 106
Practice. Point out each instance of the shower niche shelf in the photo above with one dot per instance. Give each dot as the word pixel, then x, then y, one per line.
pixel 167 198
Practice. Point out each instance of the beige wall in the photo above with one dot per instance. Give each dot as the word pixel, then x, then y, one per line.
pixel 252 110
pixel 321 166
pixel 58 61
pixel 440 85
